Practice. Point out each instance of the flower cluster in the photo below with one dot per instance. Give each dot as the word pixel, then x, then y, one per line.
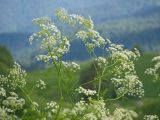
pixel 86 110
pixel 73 19
pixel 13 101
pixel 92 39
pixel 155 70
pixel 122 114
pixel 52 108
pixel 10 104
pixel 151 117
pixel 118 51
pixel 101 61
pixel 87 92
pixel 129 85
pixel 87 33
pixel 41 84
pixel 90 110
pixel 71 66
pixel 4 114
pixel 3 81
pixel 125 78
pixel 124 58
pixel 2 92
pixel 53 43
pixel 15 78
pixel 46 28
pixel 93 109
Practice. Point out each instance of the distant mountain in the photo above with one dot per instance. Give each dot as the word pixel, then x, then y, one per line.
pixel 15 41
pixel 128 22
pixel 141 28
pixel 25 54
pixel 16 15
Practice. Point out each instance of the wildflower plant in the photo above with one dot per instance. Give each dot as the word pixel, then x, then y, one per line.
pixel 151 117
pixel 116 66
pixel 154 71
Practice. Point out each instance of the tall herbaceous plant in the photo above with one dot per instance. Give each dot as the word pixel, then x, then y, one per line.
pixel 117 65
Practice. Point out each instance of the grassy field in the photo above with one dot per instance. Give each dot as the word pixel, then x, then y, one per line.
pixel 149 104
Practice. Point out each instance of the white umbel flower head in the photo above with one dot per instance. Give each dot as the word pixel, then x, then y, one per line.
pixel 41 84
pixel 71 66
pixel 2 92
pixel 154 71
pixel 151 117
pixel 87 92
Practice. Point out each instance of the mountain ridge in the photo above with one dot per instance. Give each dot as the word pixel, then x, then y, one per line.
pixel 125 22
pixel 16 15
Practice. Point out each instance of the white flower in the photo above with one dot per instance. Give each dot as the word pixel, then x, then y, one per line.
pixel 101 62
pixel 90 116
pixel 73 19
pixel 3 81
pixel 157 58
pixel 80 107
pixel 71 66
pixel 53 43
pixel 4 114
pixel 41 84
pixel 91 39
pixel 14 102
pixel 151 117
pixel 154 71
pixel 15 78
pixel 2 92
pixel 129 85
pixel 52 107
pixel 87 92
pixel 123 114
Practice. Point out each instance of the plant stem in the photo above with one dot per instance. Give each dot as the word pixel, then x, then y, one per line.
pixel 28 97
pixel 100 81
pixel 119 96
pixel 59 109
pixel 59 80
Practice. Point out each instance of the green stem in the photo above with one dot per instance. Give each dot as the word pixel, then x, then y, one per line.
pixel 100 81
pixel 72 36
pixel 50 53
pixel 89 82
pixel 93 61
pixel 30 92
pixel 28 97
pixel 59 80
pixel 59 109
pixel 58 69
pixel 119 96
